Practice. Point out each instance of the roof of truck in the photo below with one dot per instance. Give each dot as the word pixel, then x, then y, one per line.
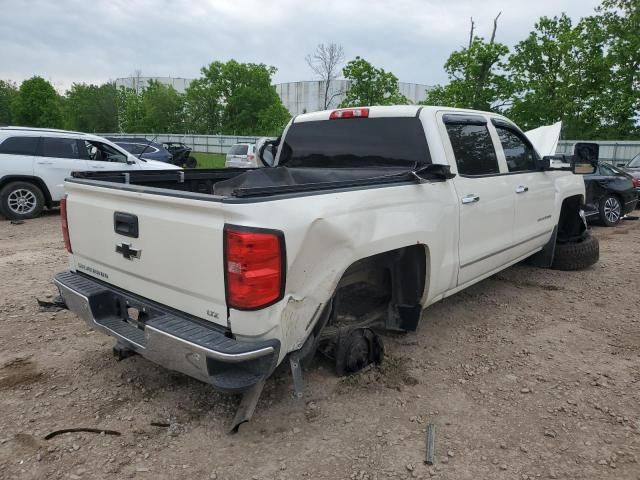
pixel 385 111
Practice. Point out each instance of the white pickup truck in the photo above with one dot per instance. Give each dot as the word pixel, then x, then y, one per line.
pixel 367 217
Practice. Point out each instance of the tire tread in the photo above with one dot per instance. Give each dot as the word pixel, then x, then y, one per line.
pixel 576 256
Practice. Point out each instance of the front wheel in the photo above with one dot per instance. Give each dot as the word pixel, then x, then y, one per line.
pixel 610 210
pixel 21 200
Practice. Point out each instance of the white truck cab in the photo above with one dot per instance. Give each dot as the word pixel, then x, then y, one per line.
pixel 367 216
pixel 34 163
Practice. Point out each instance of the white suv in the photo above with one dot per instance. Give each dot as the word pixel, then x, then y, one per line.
pixel 241 155
pixel 34 163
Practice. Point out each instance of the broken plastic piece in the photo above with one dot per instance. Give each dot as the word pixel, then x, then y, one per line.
pixel 296 373
pixel 247 406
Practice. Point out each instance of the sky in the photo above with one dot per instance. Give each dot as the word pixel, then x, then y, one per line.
pixel 93 41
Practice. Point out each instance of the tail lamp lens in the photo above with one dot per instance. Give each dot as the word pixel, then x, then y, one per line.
pixel 349 113
pixel 65 224
pixel 254 267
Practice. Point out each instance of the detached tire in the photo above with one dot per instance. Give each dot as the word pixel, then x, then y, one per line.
pixel 576 256
pixel 21 200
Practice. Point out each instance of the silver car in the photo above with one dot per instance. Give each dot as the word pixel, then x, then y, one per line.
pixel 241 155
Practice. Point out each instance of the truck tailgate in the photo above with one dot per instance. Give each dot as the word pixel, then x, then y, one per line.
pixel 176 257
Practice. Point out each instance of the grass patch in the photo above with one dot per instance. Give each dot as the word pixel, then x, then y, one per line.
pixel 209 160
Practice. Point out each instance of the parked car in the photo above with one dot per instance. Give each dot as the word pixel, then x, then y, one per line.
pixel 241 155
pixel 610 194
pixel 143 148
pixel 181 154
pixel 34 163
pixel 368 216
pixel 633 169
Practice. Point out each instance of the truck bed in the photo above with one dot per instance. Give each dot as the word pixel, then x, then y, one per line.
pixel 243 183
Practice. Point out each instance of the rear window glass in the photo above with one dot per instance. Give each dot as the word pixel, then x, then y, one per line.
pixel 239 150
pixel 19 145
pixel 355 142
pixel 473 149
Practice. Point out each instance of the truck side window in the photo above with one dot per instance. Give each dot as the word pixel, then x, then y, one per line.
pixel 473 149
pixel 520 155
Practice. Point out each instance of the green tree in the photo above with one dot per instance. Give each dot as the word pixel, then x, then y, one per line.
pixel 235 98
pixel 272 120
pixel 91 108
pixel 204 101
pixel 476 76
pixel 37 104
pixel 130 111
pixel 560 72
pixel 370 85
pixel 8 92
pixel 621 21
pixel 162 107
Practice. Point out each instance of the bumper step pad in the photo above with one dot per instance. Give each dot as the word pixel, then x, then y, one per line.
pixel 170 338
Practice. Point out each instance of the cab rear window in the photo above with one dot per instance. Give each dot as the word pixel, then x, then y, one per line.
pixel 355 142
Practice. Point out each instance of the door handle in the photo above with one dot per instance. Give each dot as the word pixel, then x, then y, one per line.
pixel 521 189
pixel 45 163
pixel 470 199
pixel 96 166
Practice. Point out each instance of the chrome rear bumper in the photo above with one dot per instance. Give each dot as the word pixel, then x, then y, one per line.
pixel 171 339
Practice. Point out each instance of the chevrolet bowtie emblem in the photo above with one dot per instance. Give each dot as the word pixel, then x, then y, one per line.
pixel 127 251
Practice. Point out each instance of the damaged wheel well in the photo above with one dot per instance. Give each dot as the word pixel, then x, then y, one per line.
pixel 570 224
pixel 392 282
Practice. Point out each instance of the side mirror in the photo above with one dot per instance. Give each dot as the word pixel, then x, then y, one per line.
pixel 267 150
pixel 585 158
pixel 553 162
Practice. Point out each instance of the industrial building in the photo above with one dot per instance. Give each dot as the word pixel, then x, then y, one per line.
pixel 298 97
pixel 140 83
pixel 308 96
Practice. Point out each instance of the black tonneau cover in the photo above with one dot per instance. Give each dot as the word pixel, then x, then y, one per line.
pixel 267 181
pixel 243 183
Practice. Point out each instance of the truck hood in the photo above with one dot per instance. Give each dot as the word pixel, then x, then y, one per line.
pixel 545 139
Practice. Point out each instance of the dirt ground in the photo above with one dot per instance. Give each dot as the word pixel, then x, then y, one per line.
pixel 530 374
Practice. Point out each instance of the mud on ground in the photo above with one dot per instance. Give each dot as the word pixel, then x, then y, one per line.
pixel 529 374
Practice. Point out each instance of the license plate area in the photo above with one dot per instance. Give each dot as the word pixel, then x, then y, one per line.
pixel 132 312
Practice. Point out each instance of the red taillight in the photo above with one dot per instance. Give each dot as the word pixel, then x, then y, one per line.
pixel 254 267
pixel 636 182
pixel 65 224
pixel 349 113
pixel 250 157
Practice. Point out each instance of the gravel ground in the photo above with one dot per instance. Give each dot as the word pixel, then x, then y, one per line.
pixel 530 374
